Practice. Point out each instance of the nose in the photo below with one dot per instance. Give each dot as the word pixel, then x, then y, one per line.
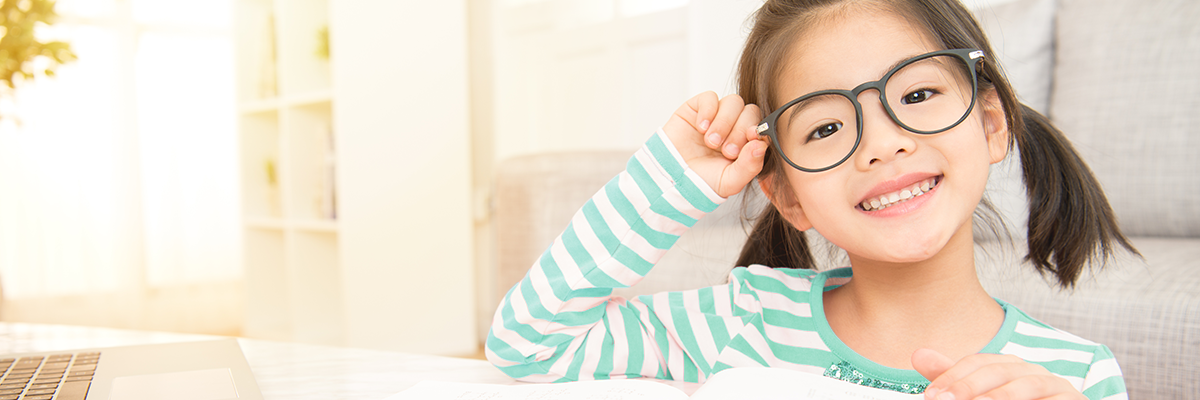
pixel 883 140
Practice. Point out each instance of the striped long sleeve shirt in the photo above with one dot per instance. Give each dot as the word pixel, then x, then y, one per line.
pixel 560 323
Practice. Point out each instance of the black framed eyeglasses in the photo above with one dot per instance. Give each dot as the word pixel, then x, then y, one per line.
pixel 926 94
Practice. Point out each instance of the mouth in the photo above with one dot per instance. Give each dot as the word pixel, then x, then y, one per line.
pixel 876 203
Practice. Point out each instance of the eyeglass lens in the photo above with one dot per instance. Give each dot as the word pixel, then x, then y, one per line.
pixel 925 96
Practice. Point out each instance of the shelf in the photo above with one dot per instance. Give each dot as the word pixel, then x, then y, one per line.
pixel 261 106
pixel 265 223
pixel 314 226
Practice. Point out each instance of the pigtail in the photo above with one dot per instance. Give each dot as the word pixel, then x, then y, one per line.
pixel 1070 222
pixel 776 243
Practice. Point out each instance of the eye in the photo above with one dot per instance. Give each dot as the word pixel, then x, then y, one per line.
pixel 917 96
pixel 825 131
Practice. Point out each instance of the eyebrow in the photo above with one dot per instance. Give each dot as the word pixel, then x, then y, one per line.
pixel 896 64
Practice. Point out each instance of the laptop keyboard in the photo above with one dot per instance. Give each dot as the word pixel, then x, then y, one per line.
pixel 59 376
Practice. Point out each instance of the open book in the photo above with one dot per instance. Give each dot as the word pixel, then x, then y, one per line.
pixel 733 383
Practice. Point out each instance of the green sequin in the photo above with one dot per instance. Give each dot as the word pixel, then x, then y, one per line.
pixel 846 372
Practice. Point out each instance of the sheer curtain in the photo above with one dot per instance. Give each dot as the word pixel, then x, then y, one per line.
pixel 119 187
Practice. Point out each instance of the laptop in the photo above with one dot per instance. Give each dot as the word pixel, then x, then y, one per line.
pixel 206 370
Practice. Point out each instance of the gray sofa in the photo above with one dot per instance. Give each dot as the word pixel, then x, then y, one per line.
pixel 1119 77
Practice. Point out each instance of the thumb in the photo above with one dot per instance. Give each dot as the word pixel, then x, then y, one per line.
pixel 742 170
pixel 930 363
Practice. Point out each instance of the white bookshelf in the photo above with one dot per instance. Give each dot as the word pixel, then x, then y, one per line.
pixel 287 157
pixel 383 259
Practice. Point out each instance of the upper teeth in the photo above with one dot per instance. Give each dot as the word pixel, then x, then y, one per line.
pixel 884 201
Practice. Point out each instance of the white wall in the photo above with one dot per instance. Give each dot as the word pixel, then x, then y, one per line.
pixel 404 218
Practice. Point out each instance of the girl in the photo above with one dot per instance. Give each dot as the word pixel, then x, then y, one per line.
pixel 884 118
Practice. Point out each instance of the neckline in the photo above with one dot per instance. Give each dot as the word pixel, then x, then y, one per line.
pixel 865 365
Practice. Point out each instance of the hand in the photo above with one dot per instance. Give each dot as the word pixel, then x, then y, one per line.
pixel 989 376
pixel 718 140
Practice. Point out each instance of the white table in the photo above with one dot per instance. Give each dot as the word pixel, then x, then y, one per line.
pixel 283 370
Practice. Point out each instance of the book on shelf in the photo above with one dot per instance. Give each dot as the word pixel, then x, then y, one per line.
pixel 729 384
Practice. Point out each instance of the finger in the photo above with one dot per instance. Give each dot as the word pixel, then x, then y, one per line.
pixel 747 120
pixel 730 108
pixel 968 365
pixel 744 168
pixel 1035 387
pixel 930 363
pixel 996 371
pixel 705 106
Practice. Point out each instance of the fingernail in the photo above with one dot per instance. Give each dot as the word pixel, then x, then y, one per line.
pixel 931 393
pixel 714 139
pixel 731 149
pixel 945 396
pixel 704 125
pixel 759 152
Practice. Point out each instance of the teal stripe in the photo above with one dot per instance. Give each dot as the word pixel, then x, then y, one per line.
pixel 694 195
pixel 716 324
pixel 632 216
pixel 665 209
pixel 740 344
pixel 595 276
pixel 690 374
pixel 788 320
pixel 605 365
pixel 660 338
pixel 603 232
pixel 799 355
pixel 683 329
pixel 685 186
pixel 633 334
pixel 572 373
pixel 525 331
pixel 664 158
pixel 1067 368
pixel 558 283
pixel 1047 343
pixel 632 260
pixel 1107 387
pixel 642 178
pixel 770 284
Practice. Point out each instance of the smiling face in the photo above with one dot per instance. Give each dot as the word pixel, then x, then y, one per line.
pixel 902 196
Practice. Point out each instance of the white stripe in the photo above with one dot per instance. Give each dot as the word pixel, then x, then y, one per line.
pixel 663 310
pixel 700 329
pixel 563 363
pixel 759 344
pixel 612 218
pixel 795 337
pixel 653 167
pixel 572 277
pixel 1028 329
pixel 632 192
pixel 678 202
pixel 616 325
pixel 652 358
pixel 1119 396
pixel 721 306
pixel 600 255
pixel 704 187
pixel 1037 354
pixel 776 301
pixel 798 284
pixel 1076 382
pixel 593 344
pixel 1101 370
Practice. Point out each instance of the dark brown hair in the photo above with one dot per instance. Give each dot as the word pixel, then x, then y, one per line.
pixel 1070 222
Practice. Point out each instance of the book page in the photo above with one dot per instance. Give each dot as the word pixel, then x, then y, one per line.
pixel 779 383
pixel 620 389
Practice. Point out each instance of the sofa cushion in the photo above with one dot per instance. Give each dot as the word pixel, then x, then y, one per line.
pixel 1021 34
pixel 1146 312
pixel 1126 91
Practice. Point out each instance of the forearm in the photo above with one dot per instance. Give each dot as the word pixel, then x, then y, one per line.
pixel 612 242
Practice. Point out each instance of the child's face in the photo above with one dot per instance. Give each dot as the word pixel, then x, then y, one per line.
pixel 859 47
